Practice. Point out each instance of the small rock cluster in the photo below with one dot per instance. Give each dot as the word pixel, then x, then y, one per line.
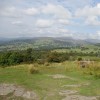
pixel 17 91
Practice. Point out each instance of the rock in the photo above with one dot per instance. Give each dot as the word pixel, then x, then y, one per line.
pixel 17 91
pixel 5 89
pixel 72 95
pixel 67 92
pixel 59 76
pixel 30 95
pixel 76 85
pixel 79 97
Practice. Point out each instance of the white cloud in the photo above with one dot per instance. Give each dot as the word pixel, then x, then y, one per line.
pixel 95 35
pixel 60 32
pixel 9 12
pixel 63 30
pixel 64 21
pixel 88 11
pixel 16 12
pixel 57 10
pixel 93 20
pixel 43 23
pixel 98 5
pixel 50 18
pixel 17 22
pixel 91 14
pixel 98 33
pixel 52 32
pixel 31 11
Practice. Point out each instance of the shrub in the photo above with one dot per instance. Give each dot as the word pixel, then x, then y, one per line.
pixel 97 75
pixel 93 70
pixel 79 59
pixel 33 70
pixel 36 65
pixel 46 64
pixel 40 61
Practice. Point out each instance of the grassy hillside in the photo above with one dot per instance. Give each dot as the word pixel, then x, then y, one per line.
pixel 45 85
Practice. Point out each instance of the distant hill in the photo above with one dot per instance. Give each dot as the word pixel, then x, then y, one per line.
pixel 40 43
pixel 94 41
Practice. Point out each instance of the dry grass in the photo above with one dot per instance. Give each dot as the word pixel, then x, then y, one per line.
pixel 32 69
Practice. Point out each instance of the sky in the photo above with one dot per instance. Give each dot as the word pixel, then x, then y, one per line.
pixel 79 19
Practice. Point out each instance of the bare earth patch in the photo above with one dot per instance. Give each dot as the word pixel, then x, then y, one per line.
pixel 60 76
pixel 79 97
pixel 76 85
pixel 73 95
pixel 17 91
pixel 67 92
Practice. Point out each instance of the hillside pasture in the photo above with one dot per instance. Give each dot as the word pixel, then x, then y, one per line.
pixel 53 78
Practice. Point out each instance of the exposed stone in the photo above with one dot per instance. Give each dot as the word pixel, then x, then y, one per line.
pixel 67 92
pixel 59 76
pixel 6 89
pixel 79 97
pixel 17 91
pixel 30 95
pixel 76 85
pixel 73 95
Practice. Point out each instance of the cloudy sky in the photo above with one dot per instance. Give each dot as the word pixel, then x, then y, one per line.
pixel 50 18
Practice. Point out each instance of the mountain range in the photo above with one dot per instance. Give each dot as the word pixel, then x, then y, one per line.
pixel 43 43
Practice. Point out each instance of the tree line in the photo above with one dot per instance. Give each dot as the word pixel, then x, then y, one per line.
pixel 9 58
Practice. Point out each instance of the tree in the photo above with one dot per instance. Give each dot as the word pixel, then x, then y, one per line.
pixel 15 58
pixel 28 55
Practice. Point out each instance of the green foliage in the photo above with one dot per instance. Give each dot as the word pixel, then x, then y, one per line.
pixel 79 59
pixel 15 58
pixel 53 57
pixel 8 58
pixel 57 57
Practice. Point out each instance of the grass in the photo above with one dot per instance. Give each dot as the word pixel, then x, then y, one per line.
pixel 78 50
pixel 46 86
